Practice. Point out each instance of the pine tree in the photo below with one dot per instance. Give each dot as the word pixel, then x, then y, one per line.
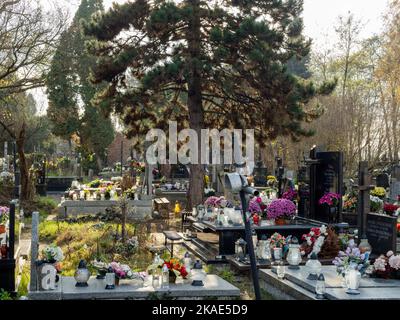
pixel 219 64
pixel 68 83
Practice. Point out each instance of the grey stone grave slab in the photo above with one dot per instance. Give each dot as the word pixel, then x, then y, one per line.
pixel 214 286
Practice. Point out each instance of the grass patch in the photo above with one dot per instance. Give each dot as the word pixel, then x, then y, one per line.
pixel 93 239
pixel 24 283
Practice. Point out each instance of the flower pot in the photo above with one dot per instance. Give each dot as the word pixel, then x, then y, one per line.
pixel 172 277
pixel 2 228
pixel 116 281
pixel 280 221
pixel 3 251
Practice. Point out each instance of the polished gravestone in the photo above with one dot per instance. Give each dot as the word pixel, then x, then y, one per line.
pixel 381 232
pixel 297 286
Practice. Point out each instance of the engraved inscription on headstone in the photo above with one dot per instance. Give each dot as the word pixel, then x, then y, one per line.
pixel 381 233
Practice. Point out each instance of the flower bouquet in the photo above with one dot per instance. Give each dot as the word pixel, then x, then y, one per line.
pixel 277 241
pixel 350 203
pixel 386 266
pixel 176 269
pixel 122 271
pixel 330 199
pixel 352 256
pixel 376 203
pixel 52 254
pixel 280 210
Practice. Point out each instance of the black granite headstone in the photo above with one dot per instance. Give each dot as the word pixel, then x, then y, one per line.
pixel 381 233
pixel 382 180
pixel 260 175
pixel 328 178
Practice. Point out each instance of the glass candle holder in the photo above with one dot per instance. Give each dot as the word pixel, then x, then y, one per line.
pixel 280 270
pixel 110 280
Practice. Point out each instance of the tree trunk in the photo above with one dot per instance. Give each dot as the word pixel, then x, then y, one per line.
pixel 26 191
pixel 195 106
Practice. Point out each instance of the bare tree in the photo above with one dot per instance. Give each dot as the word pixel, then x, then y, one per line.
pixel 28 37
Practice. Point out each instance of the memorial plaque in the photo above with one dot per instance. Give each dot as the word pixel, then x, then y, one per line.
pixel 382 180
pixel 381 233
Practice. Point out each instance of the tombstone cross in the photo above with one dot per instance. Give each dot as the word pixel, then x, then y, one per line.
pixel 364 187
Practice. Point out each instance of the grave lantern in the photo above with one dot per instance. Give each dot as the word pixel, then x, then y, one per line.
pixel 313 267
pixel 110 280
pixel 294 255
pixel 82 275
pixel 240 249
pixel 198 275
pixel 320 287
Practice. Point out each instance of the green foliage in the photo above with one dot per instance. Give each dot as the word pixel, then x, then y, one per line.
pixel 68 81
pixel 94 240
pixel 46 204
pixel 251 71
pixel 4 295
pixel 24 283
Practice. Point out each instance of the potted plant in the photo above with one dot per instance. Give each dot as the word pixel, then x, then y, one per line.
pixel 379 192
pixel 281 210
pixel 4 215
pixel 390 209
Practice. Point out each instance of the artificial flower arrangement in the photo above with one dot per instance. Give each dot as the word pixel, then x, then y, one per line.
pixel 217 202
pixel 277 241
pixel 122 271
pixel 176 268
pixel 351 257
pixel 376 203
pixel 390 209
pixel 130 193
pixel 379 192
pixel 330 199
pixel 52 254
pixel 4 214
pixel 313 241
pixel 350 202
pixel 281 209
pixel 386 266
pixel 322 241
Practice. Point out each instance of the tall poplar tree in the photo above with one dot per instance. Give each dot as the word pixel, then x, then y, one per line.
pixel 219 64
pixel 68 86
